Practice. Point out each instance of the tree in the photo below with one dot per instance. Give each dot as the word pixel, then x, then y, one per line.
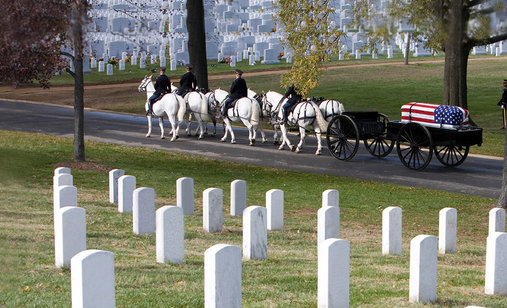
pixel 309 34
pixel 197 41
pixel 32 35
pixel 454 27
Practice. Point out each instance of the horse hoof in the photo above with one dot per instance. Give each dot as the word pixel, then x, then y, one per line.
pixel 297 150
pixel 200 137
pixel 233 141
pixel 275 142
pixel 223 140
pixel 280 148
pixel 252 142
pixel 318 153
pixel 177 137
pixel 292 148
pixel 162 137
pixel 148 136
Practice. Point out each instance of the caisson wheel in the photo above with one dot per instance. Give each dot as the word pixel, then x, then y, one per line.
pixel 342 137
pixel 378 145
pixel 415 146
pixel 451 155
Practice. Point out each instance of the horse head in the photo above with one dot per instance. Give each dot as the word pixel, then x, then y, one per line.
pixel 144 83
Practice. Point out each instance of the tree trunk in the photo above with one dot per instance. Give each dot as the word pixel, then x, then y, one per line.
pixel 77 36
pixel 407 47
pixel 456 56
pixel 197 41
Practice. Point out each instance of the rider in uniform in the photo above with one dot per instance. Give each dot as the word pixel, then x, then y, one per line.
pixel 188 82
pixel 503 103
pixel 293 98
pixel 162 86
pixel 238 90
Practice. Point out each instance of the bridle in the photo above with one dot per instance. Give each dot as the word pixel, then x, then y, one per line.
pixel 144 84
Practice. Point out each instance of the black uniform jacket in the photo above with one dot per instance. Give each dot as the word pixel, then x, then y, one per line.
pixel 188 82
pixel 238 88
pixel 503 101
pixel 162 85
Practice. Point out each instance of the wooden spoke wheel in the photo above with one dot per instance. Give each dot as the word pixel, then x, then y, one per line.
pixel 377 144
pixel 451 155
pixel 415 146
pixel 342 137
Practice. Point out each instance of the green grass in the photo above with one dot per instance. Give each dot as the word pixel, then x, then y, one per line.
pixel 288 278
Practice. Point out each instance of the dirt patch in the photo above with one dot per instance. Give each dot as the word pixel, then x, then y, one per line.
pixel 85 165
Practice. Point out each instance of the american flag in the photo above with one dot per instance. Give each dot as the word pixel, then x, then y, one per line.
pixel 434 115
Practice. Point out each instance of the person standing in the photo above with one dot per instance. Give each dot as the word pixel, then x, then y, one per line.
pixel 188 82
pixel 162 86
pixel 238 90
pixel 503 103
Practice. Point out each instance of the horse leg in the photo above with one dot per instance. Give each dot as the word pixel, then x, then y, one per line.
pixel 264 140
pixel 161 125
pixel 302 136
pixel 175 126
pixel 187 123
pixel 149 126
pixel 319 141
pixel 285 138
pixel 275 135
pixel 200 128
pixel 251 131
pixel 227 124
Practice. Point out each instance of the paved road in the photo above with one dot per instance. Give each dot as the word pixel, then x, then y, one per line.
pixel 477 176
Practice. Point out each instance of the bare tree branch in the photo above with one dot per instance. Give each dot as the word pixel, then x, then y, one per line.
pixel 488 40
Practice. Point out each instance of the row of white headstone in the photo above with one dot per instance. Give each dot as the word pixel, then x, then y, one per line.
pixel 223 262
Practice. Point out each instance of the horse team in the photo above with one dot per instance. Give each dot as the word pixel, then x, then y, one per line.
pixel 247 110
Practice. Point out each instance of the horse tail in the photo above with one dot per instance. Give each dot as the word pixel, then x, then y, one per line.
pixel 341 107
pixel 256 111
pixel 182 107
pixel 204 108
pixel 321 122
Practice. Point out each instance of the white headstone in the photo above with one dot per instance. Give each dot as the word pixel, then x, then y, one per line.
pixel 109 69
pixel 185 195
pixel 390 52
pixel 391 230
pixel 255 233
pixel 222 276
pixel 101 66
pixel 274 209
pixel 133 60
pixel 447 229
pixel 70 234
pixel 143 211
pixel 153 59
pixel 251 60
pixel 121 65
pixel 238 197
pixel 114 175
pixel 374 55
pixel 423 269
pixel 93 63
pixel 170 235
pixel 496 220
pixel 358 54
pixel 328 223
pixel 60 180
pixel 496 264
pixel 330 197
pixel 333 273
pixel 212 209
pixel 126 187
pixel 142 62
pixel 341 56
pixel 66 195
pixel 173 64
pixel 163 61
pixel 92 279
pixel 62 170
pixel 233 61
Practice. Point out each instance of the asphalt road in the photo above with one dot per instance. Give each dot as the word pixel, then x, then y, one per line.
pixel 481 176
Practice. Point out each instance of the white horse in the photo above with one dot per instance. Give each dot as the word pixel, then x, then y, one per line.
pixel 197 106
pixel 246 110
pixel 331 108
pixel 304 113
pixel 167 105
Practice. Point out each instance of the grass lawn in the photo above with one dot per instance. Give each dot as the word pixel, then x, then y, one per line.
pixel 288 278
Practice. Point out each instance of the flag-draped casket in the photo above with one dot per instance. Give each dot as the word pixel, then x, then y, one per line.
pixel 433 115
